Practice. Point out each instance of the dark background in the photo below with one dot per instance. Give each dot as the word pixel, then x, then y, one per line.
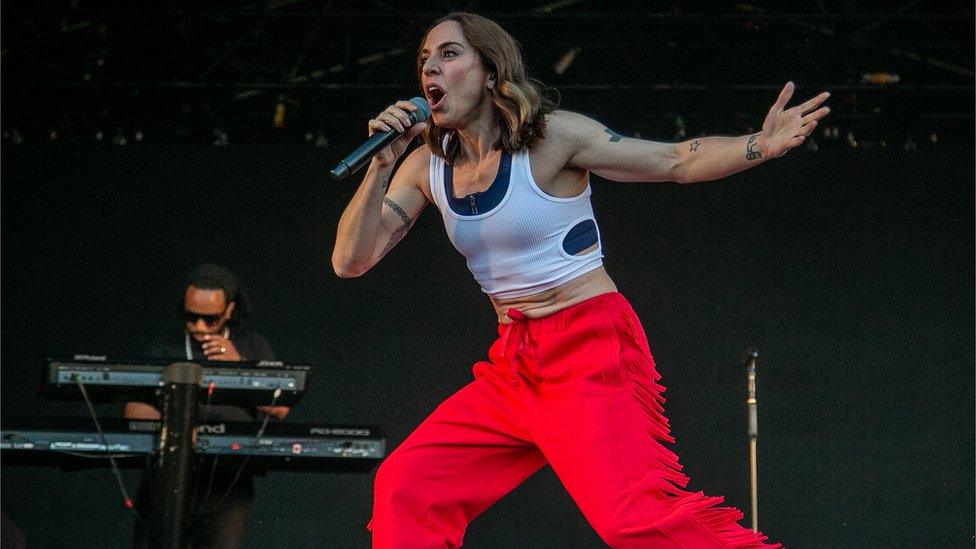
pixel 848 264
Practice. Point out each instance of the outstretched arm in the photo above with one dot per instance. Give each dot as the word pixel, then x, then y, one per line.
pixel 619 158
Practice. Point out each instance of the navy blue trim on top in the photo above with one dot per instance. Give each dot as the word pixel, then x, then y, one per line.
pixel 485 201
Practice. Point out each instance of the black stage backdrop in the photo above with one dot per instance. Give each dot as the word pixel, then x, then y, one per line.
pixel 851 271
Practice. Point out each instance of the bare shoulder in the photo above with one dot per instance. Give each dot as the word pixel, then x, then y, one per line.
pixel 566 133
pixel 567 120
pixel 550 158
pixel 572 125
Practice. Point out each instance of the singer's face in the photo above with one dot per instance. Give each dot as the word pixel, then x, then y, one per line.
pixel 205 311
pixel 453 77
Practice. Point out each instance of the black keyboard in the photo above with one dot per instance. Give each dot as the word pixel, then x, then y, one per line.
pixel 285 445
pixel 251 382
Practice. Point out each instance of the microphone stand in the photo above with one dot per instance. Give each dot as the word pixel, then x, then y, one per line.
pixel 751 356
pixel 168 521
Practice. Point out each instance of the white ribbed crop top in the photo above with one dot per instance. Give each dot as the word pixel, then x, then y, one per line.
pixel 517 239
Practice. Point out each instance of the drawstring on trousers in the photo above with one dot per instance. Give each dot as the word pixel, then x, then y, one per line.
pixel 515 340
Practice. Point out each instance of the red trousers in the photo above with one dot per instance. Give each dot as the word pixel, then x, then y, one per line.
pixel 578 390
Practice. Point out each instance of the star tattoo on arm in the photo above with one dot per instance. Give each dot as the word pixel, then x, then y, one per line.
pixel 614 136
pixel 694 145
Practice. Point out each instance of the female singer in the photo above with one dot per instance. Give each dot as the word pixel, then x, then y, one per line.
pixel 570 380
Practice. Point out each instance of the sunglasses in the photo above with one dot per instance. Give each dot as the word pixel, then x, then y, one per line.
pixel 191 318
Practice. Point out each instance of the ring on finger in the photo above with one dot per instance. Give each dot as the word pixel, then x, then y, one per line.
pixel 223 349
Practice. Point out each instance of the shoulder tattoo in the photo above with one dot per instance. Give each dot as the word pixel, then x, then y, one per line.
pixel 614 136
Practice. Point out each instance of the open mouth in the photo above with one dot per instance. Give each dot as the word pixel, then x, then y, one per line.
pixel 435 96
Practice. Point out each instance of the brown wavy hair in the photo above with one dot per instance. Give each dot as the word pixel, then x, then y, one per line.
pixel 520 102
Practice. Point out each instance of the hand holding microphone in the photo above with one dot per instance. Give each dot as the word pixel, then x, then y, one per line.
pixel 390 133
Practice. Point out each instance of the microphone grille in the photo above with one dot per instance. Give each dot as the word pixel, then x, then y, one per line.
pixel 423 111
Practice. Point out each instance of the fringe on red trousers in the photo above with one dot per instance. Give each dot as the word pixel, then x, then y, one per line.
pixel 577 390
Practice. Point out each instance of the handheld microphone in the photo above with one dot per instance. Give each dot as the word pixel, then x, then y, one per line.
pixel 376 143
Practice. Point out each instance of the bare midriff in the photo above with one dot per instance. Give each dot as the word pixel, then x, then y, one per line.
pixel 594 283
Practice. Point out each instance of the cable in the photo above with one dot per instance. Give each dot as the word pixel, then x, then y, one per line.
pixel 127 501
pixel 257 438
pixel 196 484
pixel 206 494
pixel 206 405
pixel 267 417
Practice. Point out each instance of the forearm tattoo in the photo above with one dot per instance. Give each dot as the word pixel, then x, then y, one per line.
pixel 694 146
pixel 386 182
pixel 614 136
pixel 752 153
pixel 401 231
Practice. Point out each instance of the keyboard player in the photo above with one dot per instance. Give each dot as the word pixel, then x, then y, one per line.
pixel 212 307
